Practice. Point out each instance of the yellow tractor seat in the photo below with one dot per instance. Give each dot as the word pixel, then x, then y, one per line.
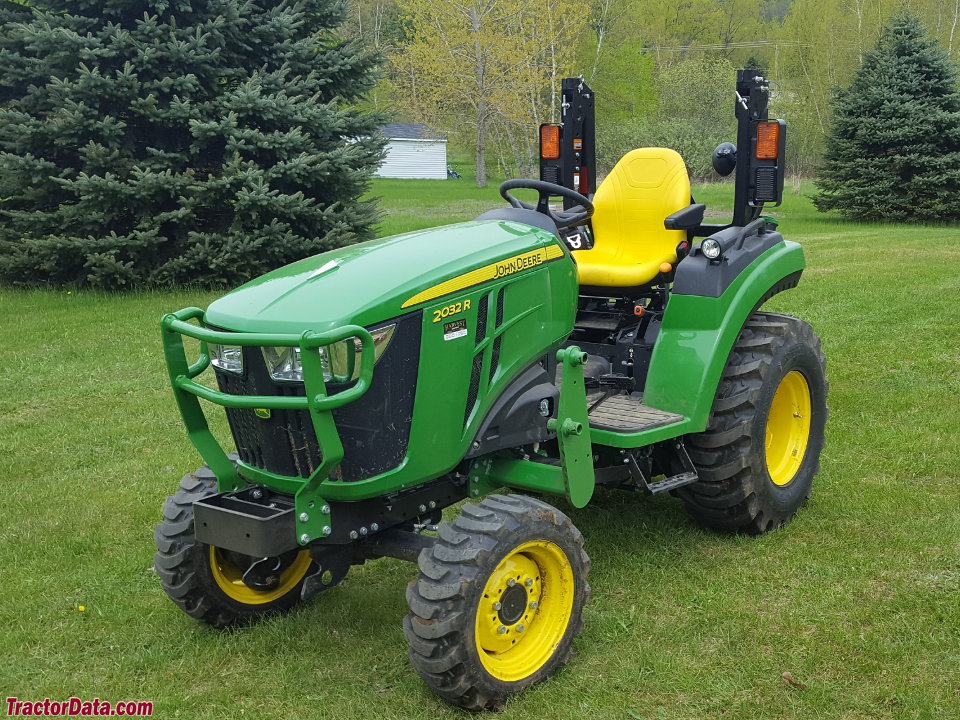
pixel 630 206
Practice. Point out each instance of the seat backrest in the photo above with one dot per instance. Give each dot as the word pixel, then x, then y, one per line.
pixel 644 187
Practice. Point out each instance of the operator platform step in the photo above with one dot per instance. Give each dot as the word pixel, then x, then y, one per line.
pixel 626 413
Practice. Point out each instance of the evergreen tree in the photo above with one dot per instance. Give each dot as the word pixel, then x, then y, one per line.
pixel 162 141
pixel 894 150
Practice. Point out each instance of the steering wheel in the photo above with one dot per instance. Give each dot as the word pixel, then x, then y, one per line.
pixel 576 215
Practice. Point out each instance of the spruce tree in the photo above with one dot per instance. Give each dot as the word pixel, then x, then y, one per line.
pixel 894 150
pixel 162 141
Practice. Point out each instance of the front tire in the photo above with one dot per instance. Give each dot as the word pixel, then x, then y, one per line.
pixel 498 602
pixel 761 450
pixel 207 582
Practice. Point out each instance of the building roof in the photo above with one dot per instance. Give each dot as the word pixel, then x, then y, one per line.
pixel 409 131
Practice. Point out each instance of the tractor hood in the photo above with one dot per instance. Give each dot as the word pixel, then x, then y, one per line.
pixel 370 282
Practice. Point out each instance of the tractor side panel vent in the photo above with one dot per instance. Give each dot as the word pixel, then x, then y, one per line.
pixel 474 387
pixel 495 356
pixel 766 185
pixel 482 320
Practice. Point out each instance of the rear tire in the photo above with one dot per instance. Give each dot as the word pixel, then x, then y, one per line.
pixel 498 602
pixel 206 582
pixel 761 450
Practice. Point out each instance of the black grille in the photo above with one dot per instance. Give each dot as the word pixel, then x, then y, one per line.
pixel 374 429
pixel 284 442
pixel 474 387
pixel 550 174
pixel 482 320
pixel 766 190
pixel 495 355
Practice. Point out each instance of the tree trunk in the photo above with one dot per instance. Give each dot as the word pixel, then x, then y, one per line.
pixel 481 152
pixel 481 101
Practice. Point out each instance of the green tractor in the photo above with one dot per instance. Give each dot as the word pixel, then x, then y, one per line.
pixel 616 341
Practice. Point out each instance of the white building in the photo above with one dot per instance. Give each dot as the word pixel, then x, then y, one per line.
pixel 413 151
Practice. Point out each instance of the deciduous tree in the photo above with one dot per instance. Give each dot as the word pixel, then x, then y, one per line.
pixel 477 65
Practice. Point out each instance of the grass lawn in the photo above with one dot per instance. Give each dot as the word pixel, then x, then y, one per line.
pixel 858 598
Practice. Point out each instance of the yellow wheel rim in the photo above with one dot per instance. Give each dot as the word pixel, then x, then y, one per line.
pixel 524 610
pixel 229 578
pixel 788 428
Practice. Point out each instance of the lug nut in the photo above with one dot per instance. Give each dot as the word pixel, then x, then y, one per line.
pixel 432 504
pixel 256 494
pixel 304 517
pixel 325 509
pixel 502 630
pixel 519 628
pixel 534 605
pixel 528 582
pixel 497 605
pixel 353 535
pixel 304 538
pixel 327 530
pixel 363 531
pixel 423 508
pixel 374 527
pixel 511 582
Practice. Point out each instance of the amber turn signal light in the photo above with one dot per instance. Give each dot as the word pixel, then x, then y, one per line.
pixel 768 140
pixel 550 142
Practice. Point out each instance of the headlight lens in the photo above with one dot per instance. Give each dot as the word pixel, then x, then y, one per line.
pixel 228 358
pixel 710 248
pixel 284 363
pixel 340 361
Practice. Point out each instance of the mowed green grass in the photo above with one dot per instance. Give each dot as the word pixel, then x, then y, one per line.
pixel 858 598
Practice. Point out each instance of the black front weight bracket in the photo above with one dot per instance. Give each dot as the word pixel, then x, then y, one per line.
pixel 260 523
pixel 251 521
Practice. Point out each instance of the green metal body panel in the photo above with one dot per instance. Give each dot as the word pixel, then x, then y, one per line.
pixel 695 340
pixel 368 282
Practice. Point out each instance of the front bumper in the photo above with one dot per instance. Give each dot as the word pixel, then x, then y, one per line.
pixel 311 511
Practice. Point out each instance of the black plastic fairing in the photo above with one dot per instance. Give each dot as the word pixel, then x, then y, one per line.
pixel 515 418
pixel 698 275
pixel 529 217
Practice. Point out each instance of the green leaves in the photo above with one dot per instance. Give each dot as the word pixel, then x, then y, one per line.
pixel 894 150
pixel 155 142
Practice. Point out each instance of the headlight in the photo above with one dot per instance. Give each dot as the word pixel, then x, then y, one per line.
pixel 340 361
pixel 284 363
pixel 227 357
pixel 710 248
